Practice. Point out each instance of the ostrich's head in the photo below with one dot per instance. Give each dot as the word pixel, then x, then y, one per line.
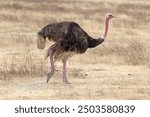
pixel 109 16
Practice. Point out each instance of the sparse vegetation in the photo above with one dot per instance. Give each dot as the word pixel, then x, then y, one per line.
pixel 127 45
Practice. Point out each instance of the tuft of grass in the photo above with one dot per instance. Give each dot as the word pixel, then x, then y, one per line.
pixel 21 64
pixel 132 52
pixel 136 54
pixel 23 38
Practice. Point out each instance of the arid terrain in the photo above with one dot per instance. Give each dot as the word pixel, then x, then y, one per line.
pixel 119 68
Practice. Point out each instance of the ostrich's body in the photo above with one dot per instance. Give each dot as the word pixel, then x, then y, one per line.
pixel 69 39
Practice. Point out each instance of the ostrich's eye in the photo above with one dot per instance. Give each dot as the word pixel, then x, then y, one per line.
pixel 110 15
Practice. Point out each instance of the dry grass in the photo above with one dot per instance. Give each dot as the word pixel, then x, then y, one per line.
pixel 133 53
pixel 127 45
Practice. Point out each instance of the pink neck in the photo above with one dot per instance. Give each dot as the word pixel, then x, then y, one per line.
pixel 106 28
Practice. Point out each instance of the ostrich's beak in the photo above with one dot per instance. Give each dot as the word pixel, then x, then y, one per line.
pixel 113 16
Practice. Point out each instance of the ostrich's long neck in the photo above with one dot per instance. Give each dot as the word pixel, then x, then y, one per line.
pixel 95 42
pixel 106 28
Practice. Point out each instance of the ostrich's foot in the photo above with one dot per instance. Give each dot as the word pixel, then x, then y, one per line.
pixel 49 76
pixel 66 81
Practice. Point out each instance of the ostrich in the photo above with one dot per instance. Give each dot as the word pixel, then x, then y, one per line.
pixel 69 39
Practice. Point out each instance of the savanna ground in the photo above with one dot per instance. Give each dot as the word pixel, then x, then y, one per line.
pixel 117 69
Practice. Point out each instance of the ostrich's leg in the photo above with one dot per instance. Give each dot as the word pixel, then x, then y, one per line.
pixel 51 52
pixel 64 72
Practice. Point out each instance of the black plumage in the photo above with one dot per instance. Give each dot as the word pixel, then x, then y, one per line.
pixel 69 37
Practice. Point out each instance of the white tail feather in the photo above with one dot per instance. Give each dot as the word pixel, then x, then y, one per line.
pixel 41 42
